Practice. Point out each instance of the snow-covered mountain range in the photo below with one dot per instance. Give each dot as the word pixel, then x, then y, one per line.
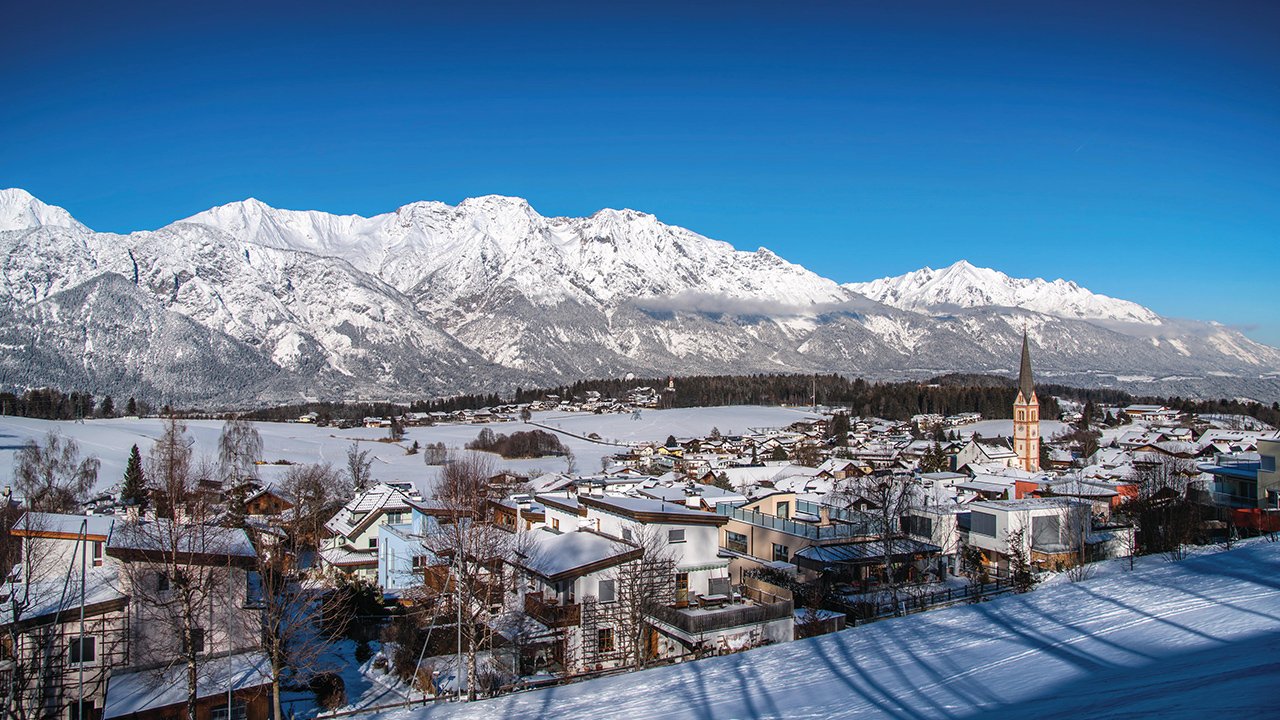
pixel 249 303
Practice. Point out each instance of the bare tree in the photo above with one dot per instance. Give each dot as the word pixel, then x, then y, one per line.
pixel 317 491
pixel 1076 527
pixel 884 499
pixel 183 572
pixel 26 584
pixel 358 464
pixel 288 616
pixel 51 477
pixel 475 547
pixel 1165 516
pixel 640 588
pixel 239 449
pixel 570 462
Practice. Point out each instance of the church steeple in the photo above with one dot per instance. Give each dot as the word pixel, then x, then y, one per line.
pixel 1026 415
pixel 1026 385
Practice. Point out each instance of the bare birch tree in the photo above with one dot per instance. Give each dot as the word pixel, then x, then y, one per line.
pixel 475 546
pixel 183 572
pixel 51 476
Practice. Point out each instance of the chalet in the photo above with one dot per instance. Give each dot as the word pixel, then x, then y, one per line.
pixel 992 453
pixel 351 547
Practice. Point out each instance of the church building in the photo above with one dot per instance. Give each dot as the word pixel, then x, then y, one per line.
pixel 1026 416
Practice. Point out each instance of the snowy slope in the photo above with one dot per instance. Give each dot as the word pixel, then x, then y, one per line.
pixel 962 285
pixel 1172 640
pixel 605 259
pixel 19 210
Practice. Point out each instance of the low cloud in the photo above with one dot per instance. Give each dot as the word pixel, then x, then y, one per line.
pixel 712 304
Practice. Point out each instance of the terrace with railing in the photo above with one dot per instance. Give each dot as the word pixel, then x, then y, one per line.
pixel 757 602
pixel 844 524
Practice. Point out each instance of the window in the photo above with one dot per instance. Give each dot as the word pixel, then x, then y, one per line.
pixel 555 524
pixel 626 534
pixel 606 592
pixel 81 650
pixel 373 543
pixel 197 642
pixel 682 587
pixel 97 553
pixel 238 712
pixel 1268 463
pixel 604 639
pixel 783 510
pixel 918 526
pixel 736 542
pixel 675 536
pixel 780 553
pixel 1046 530
pixel 982 523
pixel 74 712
pixel 162 581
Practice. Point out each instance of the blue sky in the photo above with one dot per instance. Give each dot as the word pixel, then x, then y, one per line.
pixel 1133 147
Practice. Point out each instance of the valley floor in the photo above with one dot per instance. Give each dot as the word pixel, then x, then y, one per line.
pixel 1191 639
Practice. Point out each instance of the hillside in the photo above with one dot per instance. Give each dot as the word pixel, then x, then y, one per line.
pixel 1169 640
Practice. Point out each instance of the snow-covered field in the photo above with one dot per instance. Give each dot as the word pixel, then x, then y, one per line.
pixel 110 440
pixel 1172 640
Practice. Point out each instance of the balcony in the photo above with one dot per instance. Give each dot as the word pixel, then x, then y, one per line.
pixel 551 613
pixel 760 602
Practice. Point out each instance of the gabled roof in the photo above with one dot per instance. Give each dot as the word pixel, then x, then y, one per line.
pixel 196 544
pixel 648 510
pixel 141 691
pixel 561 556
pixel 58 525
pixel 54 594
pixel 365 508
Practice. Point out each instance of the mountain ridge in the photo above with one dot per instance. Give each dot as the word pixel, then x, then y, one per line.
pixel 433 298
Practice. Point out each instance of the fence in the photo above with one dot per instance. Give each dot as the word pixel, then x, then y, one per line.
pixel 911 602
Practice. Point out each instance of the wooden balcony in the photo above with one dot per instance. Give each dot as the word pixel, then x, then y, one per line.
pixel 551 613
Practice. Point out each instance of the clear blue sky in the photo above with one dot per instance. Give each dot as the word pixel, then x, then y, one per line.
pixel 1133 147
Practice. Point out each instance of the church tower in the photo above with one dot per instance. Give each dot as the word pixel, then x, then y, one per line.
pixel 1026 416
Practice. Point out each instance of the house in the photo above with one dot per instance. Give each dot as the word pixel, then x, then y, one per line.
pixel 267 501
pixel 243 678
pixel 403 557
pixel 991 453
pixel 63 540
pixel 596 552
pixel 1052 530
pixel 56 668
pixel 353 532
pixel 792 533
pixel 1249 485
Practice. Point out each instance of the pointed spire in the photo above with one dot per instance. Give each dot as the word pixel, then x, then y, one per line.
pixel 1026 385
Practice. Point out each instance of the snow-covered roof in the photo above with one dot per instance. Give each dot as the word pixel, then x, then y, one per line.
pixel 198 541
pixel 365 508
pixel 142 691
pixel 55 594
pixel 49 524
pixel 556 556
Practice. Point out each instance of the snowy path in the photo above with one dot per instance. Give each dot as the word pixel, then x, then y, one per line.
pixel 1169 639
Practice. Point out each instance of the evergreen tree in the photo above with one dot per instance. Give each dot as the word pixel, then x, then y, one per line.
pixel 131 408
pixel 107 408
pixel 134 489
